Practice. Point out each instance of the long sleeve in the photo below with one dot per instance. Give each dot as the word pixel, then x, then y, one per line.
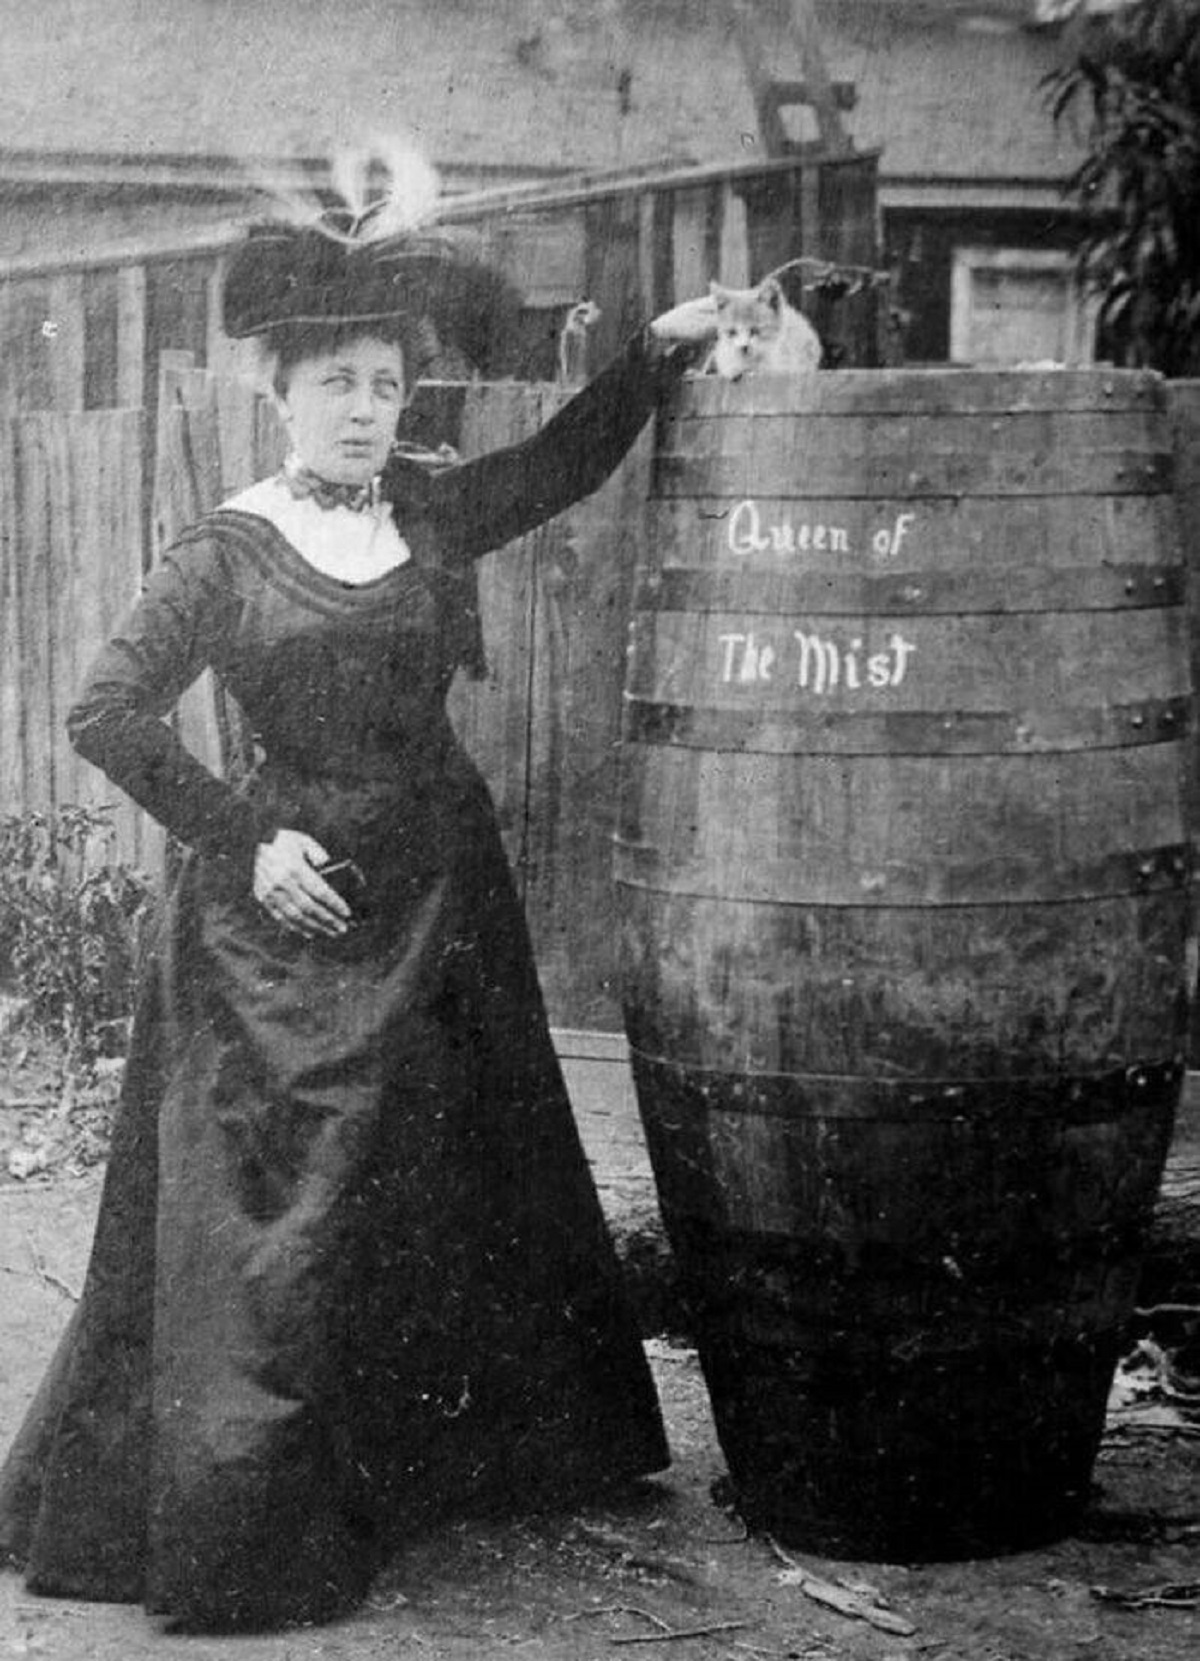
pixel 172 634
pixel 484 503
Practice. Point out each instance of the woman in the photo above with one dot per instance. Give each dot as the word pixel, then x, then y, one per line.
pixel 350 1271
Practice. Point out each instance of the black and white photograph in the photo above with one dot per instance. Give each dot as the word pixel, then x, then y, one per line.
pixel 599 813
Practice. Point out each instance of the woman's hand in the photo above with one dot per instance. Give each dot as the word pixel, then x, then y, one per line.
pixel 693 321
pixel 290 890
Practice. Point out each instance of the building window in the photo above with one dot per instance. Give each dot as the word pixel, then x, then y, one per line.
pixel 1017 305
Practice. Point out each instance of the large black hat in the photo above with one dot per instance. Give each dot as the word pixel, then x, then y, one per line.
pixel 357 263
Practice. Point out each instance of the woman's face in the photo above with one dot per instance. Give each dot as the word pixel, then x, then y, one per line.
pixel 340 408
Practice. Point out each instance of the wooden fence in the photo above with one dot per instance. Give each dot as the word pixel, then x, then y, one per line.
pixel 89 333
pixel 71 541
pixel 543 726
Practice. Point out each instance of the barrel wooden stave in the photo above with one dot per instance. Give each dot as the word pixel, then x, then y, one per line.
pixel 964 992
pixel 906 957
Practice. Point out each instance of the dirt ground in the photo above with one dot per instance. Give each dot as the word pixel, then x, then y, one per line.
pixel 584 1586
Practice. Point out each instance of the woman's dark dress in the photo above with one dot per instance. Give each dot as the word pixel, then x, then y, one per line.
pixel 350 1271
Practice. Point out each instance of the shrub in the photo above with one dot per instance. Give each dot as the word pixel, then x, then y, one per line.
pixel 1135 76
pixel 70 924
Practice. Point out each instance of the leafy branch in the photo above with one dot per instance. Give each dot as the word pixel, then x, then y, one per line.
pixel 1134 79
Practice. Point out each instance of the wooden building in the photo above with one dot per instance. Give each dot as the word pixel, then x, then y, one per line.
pixel 125 129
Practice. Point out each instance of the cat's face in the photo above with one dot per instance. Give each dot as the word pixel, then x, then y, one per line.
pixel 748 323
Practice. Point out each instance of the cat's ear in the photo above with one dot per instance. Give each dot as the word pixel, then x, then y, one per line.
pixel 770 292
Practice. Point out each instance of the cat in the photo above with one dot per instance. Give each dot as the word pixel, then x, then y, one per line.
pixel 758 330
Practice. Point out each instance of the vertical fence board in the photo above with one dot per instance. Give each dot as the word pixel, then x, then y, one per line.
pixel 733 260
pixel 12 656
pixel 613 229
pixel 26 382
pixel 492 716
pixel 101 320
pixel 33 615
pixel 71 547
pixel 584 586
pixel 131 336
pixel 66 317
pixel 689 241
pixel 106 543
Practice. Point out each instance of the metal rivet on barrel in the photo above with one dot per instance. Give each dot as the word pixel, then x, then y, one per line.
pixel 1146 869
pixel 1167 718
pixel 1130 586
pixel 1137 1078
pixel 1109 389
pixel 1137 720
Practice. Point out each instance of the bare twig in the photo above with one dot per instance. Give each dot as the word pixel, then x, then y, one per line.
pixel 838 1598
pixel 618 1609
pixel 634 1556
pixel 46 1275
pixel 58 1607
pixel 683 1632
pixel 1175 1595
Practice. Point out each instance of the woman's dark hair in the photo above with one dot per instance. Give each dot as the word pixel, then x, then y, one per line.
pixel 292 343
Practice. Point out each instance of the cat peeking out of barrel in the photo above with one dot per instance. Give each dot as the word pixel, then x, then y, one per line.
pixel 760 332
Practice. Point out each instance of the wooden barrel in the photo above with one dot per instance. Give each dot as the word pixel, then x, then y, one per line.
pixel 906 949
pixel 1183 402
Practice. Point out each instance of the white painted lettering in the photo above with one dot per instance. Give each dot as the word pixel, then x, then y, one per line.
pixel 747 533
pixel 730 642
pixel 879 670
pixel 820 662
pixel 745 530
pixel 902 648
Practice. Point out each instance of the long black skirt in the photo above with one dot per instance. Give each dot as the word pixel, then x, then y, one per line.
pixel 350 1273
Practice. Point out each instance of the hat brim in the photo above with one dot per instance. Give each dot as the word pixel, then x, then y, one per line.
pixel 283 278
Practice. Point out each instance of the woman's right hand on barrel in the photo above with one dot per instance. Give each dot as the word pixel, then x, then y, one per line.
pixel 291 892
pixel 690 322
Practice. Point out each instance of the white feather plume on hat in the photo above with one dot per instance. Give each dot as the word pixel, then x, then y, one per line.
pixel 381 188
pixel 362 242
